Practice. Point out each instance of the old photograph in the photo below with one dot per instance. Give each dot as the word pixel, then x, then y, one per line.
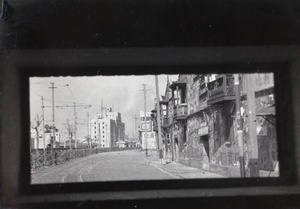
pixel 152 127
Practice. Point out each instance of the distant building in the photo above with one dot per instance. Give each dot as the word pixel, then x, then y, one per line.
pixel 40 144
pixel 146 128
pixel 107 129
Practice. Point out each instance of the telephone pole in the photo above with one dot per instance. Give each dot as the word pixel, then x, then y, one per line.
pixel 43 124
pixel 75 124
pixel 53 116
pixel 75 115
pixel 253 159
pixel 135 118
pixel 88 126
pixel 239 125
pixel 158 119
pixel 70 134
pixel 145 120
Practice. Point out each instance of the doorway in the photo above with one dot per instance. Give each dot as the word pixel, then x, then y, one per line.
pixel 204 140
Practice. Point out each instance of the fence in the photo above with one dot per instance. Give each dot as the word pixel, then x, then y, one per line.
pixel 40 158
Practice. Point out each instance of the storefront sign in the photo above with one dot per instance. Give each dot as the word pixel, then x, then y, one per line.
pixel 147 125
pixel 203 131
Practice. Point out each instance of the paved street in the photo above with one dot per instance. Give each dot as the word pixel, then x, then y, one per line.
pixel 117 166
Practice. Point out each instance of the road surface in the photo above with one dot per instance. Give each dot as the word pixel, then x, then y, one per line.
pixel 109 166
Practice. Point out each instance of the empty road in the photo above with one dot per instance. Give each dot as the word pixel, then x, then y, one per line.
pixel 109 166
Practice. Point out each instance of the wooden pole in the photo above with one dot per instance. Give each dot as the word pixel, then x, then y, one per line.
pixel 44 141
pixel 253 159
pixel 158 118
pixel 239 128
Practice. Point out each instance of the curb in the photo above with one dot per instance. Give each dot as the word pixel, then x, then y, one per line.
pixel 163 170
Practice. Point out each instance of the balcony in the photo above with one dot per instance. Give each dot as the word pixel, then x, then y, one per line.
pixel 182 112
pixel 202 91
pixel 221 89
pixel 165 122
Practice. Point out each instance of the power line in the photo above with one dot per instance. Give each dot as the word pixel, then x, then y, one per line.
pixel 73 94
pixel 35 92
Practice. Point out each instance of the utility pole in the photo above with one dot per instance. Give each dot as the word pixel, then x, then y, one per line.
pixel 75 124
pixel 75 116
pixel 43 115
pixel 88 129
pixel 43 122
pixel 239 125
pixel 253 161
pixel 102 108
pixel 135 118
pixel 70 134
pixel 145 121
pixel 53 117
pixel 158 119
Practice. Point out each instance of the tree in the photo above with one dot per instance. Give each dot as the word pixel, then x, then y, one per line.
pixel 89 141
pixel 49 129
pixel 70 130
pixel 37 123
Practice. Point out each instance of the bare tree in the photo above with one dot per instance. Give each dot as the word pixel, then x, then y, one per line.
pixel 36 125
pixel 70 130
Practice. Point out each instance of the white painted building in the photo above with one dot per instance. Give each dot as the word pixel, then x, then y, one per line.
pixel 107 129
pixel 146 128
pixel 40 144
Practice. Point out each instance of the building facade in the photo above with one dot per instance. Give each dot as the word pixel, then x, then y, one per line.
pixel 41 143
pixel 146 132
pixel 107 129
pixel 198 114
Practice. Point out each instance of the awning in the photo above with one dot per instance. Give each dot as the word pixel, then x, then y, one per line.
pixel 266 111
pixel 180 84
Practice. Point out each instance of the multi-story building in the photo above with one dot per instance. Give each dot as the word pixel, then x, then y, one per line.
pixel 107 129
pixel 178 115
pixel 198 113
pixel 146 128
pixel 265 122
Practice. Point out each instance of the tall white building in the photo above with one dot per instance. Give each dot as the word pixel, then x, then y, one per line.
pixel 107 129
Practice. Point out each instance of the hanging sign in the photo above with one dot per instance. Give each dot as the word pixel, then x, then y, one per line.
pixel 203 131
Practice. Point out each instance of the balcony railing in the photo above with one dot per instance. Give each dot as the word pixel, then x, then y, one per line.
pixel 202 91
pixel 165 121
pixel 221 89
pixel 182 111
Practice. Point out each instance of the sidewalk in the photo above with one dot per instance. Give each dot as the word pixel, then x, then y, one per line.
pixel 177 170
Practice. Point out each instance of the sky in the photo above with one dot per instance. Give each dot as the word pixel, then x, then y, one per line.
pixel 122 93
